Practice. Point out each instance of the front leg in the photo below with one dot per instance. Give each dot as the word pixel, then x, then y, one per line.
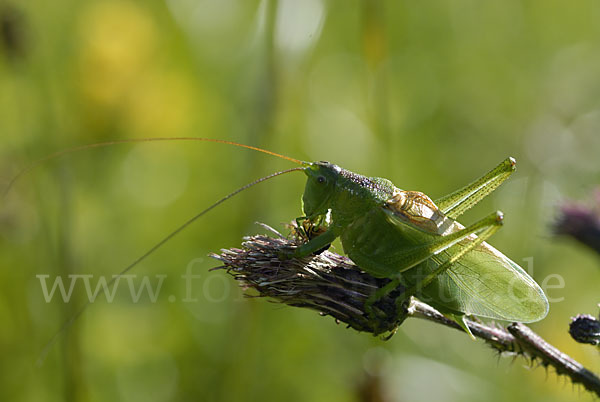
pixel 315 244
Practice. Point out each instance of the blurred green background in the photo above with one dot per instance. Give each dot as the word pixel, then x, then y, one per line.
pixel 428 94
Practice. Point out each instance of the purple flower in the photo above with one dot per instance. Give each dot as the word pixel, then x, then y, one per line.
pixel 580 222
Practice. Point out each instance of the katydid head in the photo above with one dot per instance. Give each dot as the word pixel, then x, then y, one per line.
pixel 320 185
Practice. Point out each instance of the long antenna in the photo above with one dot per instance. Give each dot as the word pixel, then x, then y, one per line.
pixel 75 316
pixel 136 140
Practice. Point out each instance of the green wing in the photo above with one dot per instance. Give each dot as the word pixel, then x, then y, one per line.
pixel 485 283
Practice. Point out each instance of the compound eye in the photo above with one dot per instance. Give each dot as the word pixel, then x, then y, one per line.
pixel 321 179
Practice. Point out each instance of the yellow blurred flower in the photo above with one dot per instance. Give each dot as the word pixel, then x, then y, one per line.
pixel 161 104
pixel 118 40
pixel 121 83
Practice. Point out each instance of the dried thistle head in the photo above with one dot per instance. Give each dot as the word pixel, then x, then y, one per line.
pixel 328 283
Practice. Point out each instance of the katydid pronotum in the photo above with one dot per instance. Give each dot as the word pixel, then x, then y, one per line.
pixel 403 236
